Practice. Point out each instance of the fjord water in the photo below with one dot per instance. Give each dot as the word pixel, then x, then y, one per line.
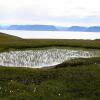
pixel 53 34
pixel 41 58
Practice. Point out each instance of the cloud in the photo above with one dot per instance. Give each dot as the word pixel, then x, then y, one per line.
pixel 49 11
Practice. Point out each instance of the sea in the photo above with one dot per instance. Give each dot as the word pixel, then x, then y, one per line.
pixel 53 34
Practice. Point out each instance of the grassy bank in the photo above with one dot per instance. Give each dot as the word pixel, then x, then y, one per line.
pixel 70 83
pixel 8 42
pixel 79 62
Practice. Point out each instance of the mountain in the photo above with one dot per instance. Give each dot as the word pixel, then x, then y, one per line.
pixel 80 29
pixel 93 29
pixel 51 28
pixel 33 27
pixel 77 28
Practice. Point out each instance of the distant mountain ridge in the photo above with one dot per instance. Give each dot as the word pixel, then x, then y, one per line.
pixel 51 28
pixel 33 27
pixel 94 29
pixel 77 28
pixel 81 29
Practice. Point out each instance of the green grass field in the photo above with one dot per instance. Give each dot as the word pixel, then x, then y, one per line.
pixel 78 79
pixel 70 83
pixel 8 42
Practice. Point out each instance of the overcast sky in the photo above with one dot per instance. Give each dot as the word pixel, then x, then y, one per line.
pixel 57 12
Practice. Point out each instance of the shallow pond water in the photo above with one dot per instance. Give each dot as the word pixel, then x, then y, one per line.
pixel 43 58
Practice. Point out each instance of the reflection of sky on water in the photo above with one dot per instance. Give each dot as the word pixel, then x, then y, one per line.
pixel 53 34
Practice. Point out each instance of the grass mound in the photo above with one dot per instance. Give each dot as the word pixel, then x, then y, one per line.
pixel 79 62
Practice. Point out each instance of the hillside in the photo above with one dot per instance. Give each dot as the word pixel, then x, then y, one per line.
pixel 8 38
pixel 19 43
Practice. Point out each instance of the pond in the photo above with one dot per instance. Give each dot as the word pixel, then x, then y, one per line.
pixel 43 57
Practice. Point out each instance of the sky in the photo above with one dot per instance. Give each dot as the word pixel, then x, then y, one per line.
pixel 50 12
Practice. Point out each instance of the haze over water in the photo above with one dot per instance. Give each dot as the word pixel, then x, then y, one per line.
pixel 53 34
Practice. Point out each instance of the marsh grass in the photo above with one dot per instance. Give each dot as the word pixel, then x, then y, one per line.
pixel 79 62
pixel 70 83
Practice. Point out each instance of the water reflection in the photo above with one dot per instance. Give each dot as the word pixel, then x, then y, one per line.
pixel 42 58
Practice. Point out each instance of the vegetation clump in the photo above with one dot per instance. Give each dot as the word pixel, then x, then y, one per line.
pixel 79 62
